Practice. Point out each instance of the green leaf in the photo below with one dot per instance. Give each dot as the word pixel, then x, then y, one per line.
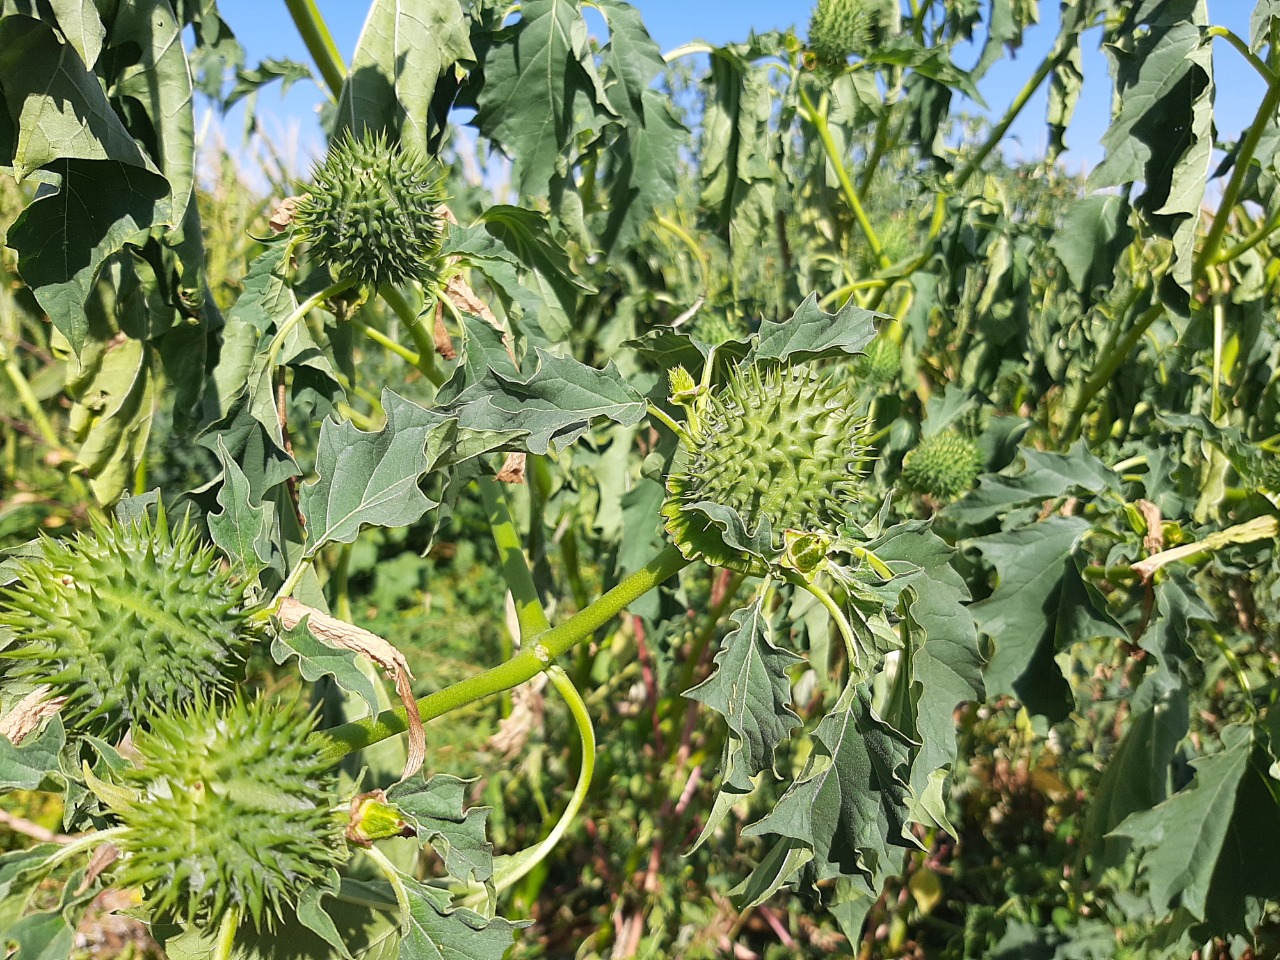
pixel 370 479
pixel 80 26
pixel 813 334
pixel 57 105
pixel 456 834
pixel 249 82
pixel 435 932
pixel 541 92
pixel 849 806
pixel 1182 838
pixel 1039 607
pixel 318 659
pixel 241 529
pixel 751 690
pixel 1266 14
pixel 41 936
pixel 1094 232
pixel 64 238
pixel 147 37
pixel 947 666
pixel 1037 476
pixel 403 49
pixel 24 767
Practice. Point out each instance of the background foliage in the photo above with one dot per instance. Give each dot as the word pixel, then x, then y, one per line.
pixel 1074 748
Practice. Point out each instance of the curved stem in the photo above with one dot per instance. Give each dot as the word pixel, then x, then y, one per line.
pixel 1102 376
pixel 337 742
pixel 842 622
pixel 1251 241
pixel 681 234
pixel 521 863
pixel 417 326
pixel 300 314
pixel 1242 48
pixel 315 34
pixel 84 843
pixel 688 50
pixel 380 338
pixel 665 419
pixel 515 568
pixel 388 870
pixel 847 189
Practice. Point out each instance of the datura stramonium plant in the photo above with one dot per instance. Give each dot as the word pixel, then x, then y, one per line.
pixel 778 448
pixel 372 214
pixel 229 809
pixel 945 465
pixel 122 621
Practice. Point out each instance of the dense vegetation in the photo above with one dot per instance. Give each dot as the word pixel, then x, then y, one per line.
pixel 799 530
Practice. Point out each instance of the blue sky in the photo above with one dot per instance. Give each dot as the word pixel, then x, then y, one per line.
pixel 265 30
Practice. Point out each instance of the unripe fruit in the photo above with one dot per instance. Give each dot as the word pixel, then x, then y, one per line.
pixel 372 212
pixel 231 808
pixel 780 447
pixel 883 361
pixel 125 620
pixel 841 28
pixel 944 465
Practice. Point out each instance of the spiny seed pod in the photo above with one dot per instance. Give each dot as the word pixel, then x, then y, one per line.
pixel 841 28
pixel 231 807
pixel 780 447
pixel 371 214
pixel 944 465
pixel 883 360
pixel 124 620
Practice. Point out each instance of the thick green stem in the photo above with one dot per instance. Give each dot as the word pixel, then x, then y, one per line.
pixel 847 189
pixel 418 329
pixel 382 340
pixel 1231 195
pixel 1251 241
pixel 338 742
pixel 1242 48
pixel 515 568
pixel 225 946
pixel 315 34
pixel 300 314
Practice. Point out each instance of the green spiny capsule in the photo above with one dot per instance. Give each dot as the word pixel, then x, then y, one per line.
pixel 841 28
pixel 123 620
pixel 883 360
pixel 944 465
pixel 780 447
pixel 372 212
pixel 232 808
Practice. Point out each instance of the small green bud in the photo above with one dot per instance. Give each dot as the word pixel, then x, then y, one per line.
pixel 944 465
pixel 683 389
pixel 372 818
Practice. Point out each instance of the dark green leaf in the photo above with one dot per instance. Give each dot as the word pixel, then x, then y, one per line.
pixel 1037 477
pixel 813 334
pixel 436 932
pixel 42 936
pixel 25 766
pixel 318 659
pixel 242 529
pixel 248 82
pixel 457 834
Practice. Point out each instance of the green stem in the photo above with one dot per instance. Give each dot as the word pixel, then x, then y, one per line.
pixel 850 193
pixel 515 568
pixel 1242 48
pixel 521 863
pixel 388 870
pixel 84 843
pixel 290 583
pixel 226 943
pixel 688 50
pixel 842 622
pixel 337 742
pixel 665 419
pixel 1251 241
pixel 1102 376
pixel 1233 663
pixel 1011 114
pixel 418 329
pixel 315 34
pixel 1240 168
pixel 300 314
pixel 380 338
pixel 681 234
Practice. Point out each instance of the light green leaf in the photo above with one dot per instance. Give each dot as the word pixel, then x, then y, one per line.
pixel 25 766
pixel 370 479
pixel 541 92
pixel 403 49
pixel 435 932
pixel 849 805
pixel 813 334
pixel 41 936
pixel 242 529
pixel 751 690
pixel 80 26
pixel 456 834
pixel 318 659
pixel 1037 476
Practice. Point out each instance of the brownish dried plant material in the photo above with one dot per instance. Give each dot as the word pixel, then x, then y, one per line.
pixel 28 713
